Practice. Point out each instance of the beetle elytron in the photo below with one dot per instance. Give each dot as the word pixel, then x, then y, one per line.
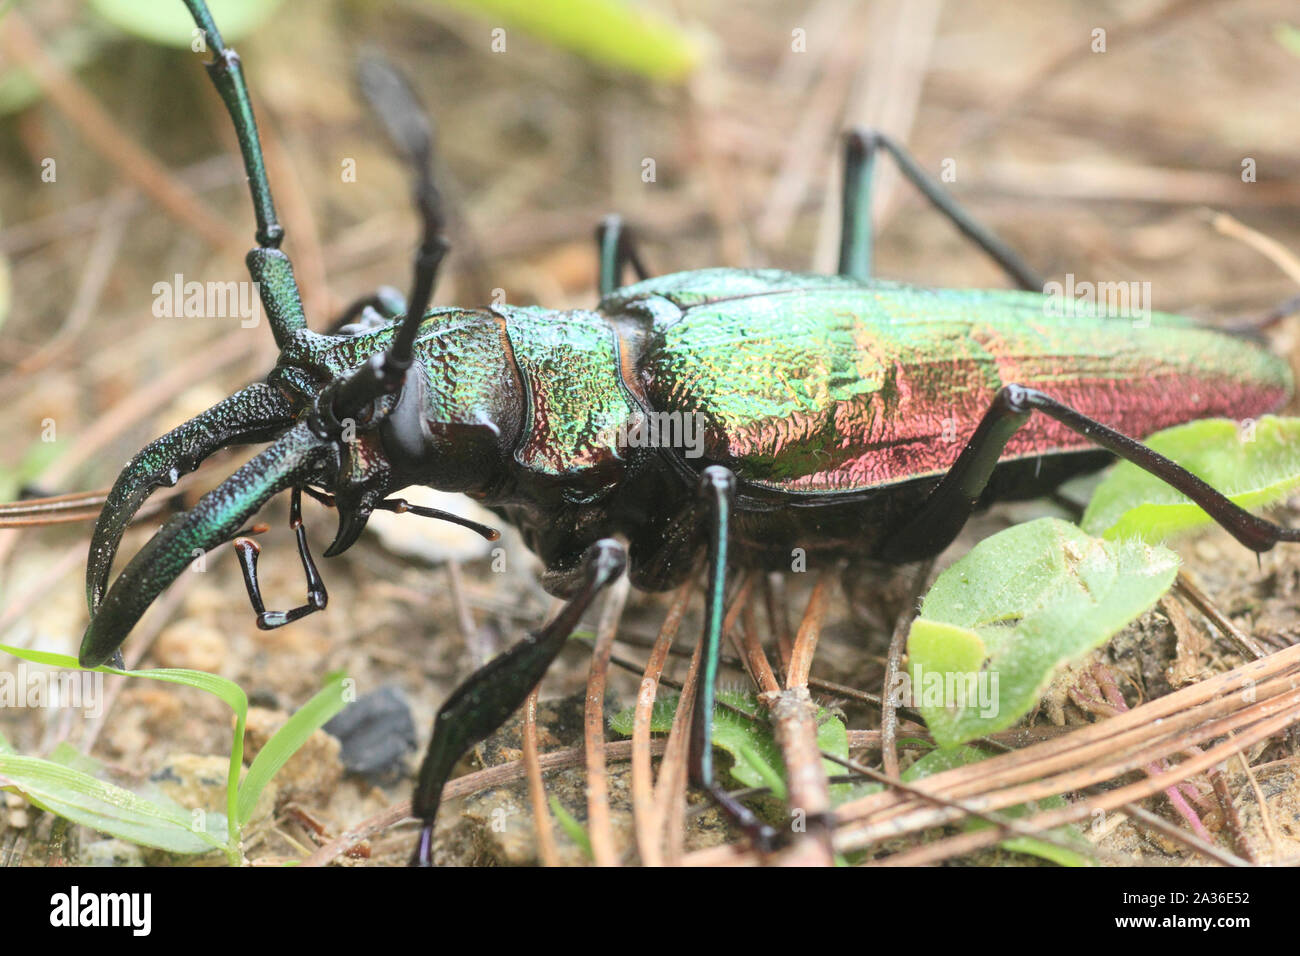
pixel 824 402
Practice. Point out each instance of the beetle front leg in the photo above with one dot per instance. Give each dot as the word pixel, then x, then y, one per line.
pixel 249 551
pixel 492 693
pixel 951 502
pixel 617 249
pixel 718 489
pixel 860 148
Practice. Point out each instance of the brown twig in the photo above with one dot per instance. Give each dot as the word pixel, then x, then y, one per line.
pixel 1267 246
pixel 1245 642
pixel 1087 757
pixel 670 791
pixel 966 843
pixel 598 824
pixel 470 783
pixel 777 621
pixel 645 817
pixel 546 848
pixel 893 666
pixel 759 668
pixel 805 640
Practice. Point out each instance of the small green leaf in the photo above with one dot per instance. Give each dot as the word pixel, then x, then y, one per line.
pixel 169 23
pixel 941 760
pixel 128 816
pixel 309 718
pixel 1001 621
pixel 756 757
pixel 1288 35
pixel 609 32
pixel 1254 466
pixel 572 827
pixel 227 691
pixel 102 806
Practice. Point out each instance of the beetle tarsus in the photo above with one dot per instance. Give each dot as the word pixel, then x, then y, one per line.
pixel 423 855
pixel 249 551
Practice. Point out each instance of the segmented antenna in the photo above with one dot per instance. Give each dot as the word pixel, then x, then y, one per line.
pixel 409 128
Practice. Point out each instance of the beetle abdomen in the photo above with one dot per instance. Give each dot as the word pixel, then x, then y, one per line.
pixel 809 385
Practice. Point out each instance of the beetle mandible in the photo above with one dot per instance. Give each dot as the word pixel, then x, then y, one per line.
pixel 825 407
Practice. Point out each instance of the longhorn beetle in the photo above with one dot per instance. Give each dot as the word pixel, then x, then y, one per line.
pixel 823 402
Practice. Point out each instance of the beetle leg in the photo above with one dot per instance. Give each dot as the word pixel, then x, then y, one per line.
pixel 249 551
pixel 1253 325
pixel 492 693
pixel 860 147
pixel 718 489
pixel 617 249
pixel 955 497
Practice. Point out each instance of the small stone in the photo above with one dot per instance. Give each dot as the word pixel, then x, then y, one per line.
pixel 377 733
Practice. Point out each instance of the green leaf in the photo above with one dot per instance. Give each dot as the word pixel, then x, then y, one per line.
pixel 756 757
pixel 228 691
pixel 1001 621
pixel 941 760
pixel 1253 467
pixel 608 32
pixel 102 806
pixel 309 718
pixel 577 833
pixel 1288 36
pixel 169 23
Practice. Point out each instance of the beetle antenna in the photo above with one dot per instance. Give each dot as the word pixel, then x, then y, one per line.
pixel 411 132
pixel 408 126
pixel 401 506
